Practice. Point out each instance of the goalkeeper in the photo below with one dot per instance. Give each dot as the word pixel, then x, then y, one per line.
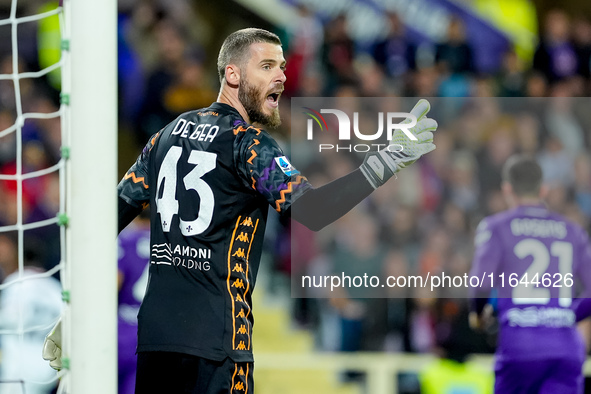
pixel 209 177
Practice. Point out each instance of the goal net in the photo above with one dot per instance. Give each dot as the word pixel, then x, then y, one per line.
pixel 57 194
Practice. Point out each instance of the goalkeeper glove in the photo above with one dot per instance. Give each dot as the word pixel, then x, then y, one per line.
pixel 52 347
pixel 380 166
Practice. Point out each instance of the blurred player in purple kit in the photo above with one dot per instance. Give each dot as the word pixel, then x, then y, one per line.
pixel 539 349
pixel 134 256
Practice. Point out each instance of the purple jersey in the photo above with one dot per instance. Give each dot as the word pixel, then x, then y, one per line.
pixel 134 255
pixel 531 254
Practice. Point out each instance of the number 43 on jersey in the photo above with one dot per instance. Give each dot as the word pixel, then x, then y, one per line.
pixel 168 205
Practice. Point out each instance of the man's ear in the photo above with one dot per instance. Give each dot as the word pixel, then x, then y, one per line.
pixel 544 190
pixel 232 75
pixel 507 190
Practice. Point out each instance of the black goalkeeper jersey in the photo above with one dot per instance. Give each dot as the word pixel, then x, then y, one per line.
pixel 208 177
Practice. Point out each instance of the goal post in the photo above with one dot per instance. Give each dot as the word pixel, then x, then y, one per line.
pixel 89 86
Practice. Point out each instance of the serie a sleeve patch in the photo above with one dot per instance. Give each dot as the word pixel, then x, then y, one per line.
pixel 286 166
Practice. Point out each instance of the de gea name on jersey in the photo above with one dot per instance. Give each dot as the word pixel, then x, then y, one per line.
pixel 203 132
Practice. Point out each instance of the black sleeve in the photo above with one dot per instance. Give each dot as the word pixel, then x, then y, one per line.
pixel 317 208
pixel 126 213
pixel 134 190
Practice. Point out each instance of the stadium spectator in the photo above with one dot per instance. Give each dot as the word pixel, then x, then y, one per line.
pixel 395 54
pixel 556 163
pixel 582 45
pixel 358 252
pixel 47 207
pixel 176 82
pixel 563 124
pixel 555 56
pixel 337 54
pixel 8 145
pixel 536 85
pixel 582 184
pixel 455 55
pixel 454 58
pixel 304 47
pixel 511 79
pixel 397 339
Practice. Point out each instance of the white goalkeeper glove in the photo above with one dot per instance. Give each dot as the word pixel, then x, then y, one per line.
pixel 380 166
pixel 52 347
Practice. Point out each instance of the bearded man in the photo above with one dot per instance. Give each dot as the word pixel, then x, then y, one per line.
pixel 209 177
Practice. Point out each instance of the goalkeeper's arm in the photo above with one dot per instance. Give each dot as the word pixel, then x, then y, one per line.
pixel 319 207
pixel 127 213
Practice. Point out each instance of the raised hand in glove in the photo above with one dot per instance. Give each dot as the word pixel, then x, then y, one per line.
pixel 380 166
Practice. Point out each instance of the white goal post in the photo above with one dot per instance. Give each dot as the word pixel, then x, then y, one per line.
pixel 90 85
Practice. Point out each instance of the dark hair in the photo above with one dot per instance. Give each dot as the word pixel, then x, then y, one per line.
pixel 524 174
pixel 235 48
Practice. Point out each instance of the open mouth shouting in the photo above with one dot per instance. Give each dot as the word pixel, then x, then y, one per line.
pixel 273 98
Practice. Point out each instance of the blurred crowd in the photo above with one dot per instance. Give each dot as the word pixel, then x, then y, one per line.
pixel 424 222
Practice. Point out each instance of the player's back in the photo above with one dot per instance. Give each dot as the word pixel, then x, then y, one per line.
pixel 536 257
pixel 209 178
pixel 200 205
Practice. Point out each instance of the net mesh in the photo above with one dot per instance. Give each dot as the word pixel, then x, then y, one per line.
pixel 33 216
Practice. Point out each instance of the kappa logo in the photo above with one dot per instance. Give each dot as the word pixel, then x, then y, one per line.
pixel 286 166
pixel 238 284
pixel 243 237
pixel 239 253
